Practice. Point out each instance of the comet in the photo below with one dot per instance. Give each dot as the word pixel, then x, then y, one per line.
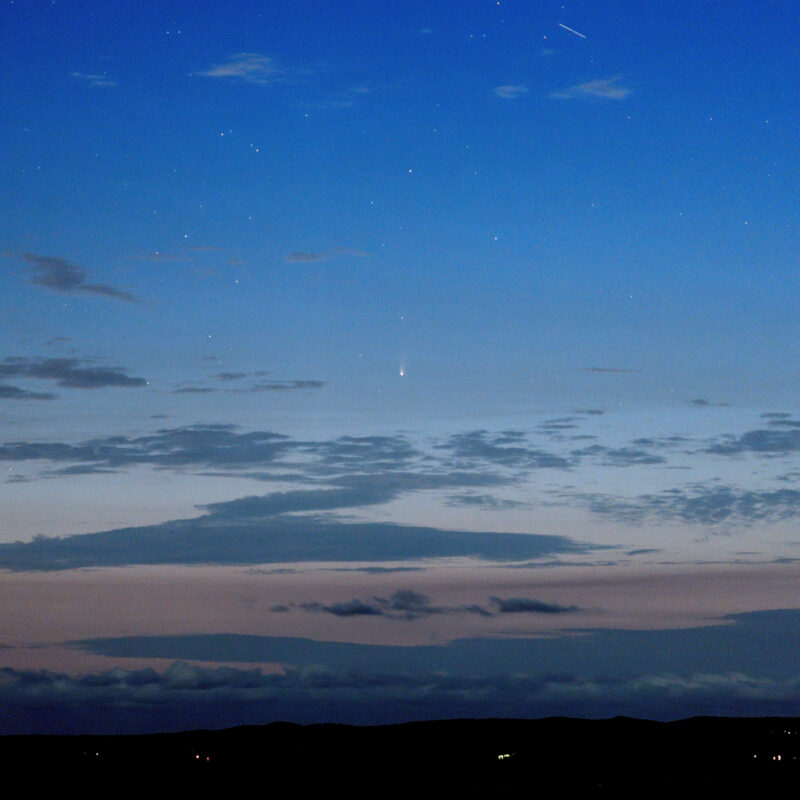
pixel 571 31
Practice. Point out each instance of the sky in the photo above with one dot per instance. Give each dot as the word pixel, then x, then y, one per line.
pixel 371 362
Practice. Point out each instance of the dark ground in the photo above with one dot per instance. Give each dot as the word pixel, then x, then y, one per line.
pixel 618 757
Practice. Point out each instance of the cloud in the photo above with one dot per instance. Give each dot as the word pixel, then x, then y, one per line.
pixel 348 251
pixel 187 696
pixel 300 500
pixel 507 449
pixel 281 386
pixel 620 456
pixel 250 68
pixel 8 392
pixel 363 453
pixel 379 570
pixel 762 442
pixel 557 424
pixel 68 372
pixel 263 531
pixel 484 501
pixel 524 605
pixel 603 88
pixel 611 370
pixel 98 80
pixel 226 378
pixel 305 257
pixel 745 665
pixel 158 256
pixel 702 505
pixel 192 445
pixel 366 464
pixel 760 643
pixel 59 275
pixel 511 91
pixel 352 608
pixel 404 604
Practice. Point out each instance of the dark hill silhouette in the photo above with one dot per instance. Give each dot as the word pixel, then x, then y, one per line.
pixel 493 757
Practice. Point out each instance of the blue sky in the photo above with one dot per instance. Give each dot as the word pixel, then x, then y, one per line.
pixel 394 326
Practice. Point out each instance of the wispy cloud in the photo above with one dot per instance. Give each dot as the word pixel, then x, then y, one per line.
pixel 611 370
pixel 603 88
pixel 193 390
pixel 511 91
pixel 281 386
pixel 98 80
pixel 306 257
pixel 59 275
pixel 302 257
pixel 250 68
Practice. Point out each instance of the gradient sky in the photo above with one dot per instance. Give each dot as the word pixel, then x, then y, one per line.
pixel 350 348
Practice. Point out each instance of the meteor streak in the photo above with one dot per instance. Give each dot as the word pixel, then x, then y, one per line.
pixel 571 31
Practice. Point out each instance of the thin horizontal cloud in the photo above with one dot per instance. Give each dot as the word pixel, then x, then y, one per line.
pixel 348 251
pixel 8 392
pixel 511 91
pixel 602 88
pixel 59 275
pixel 264 531
pixel 71 373
pixel 403 604
pixel 281 386
pixel 99 80
pixel 307 257
pixel 611 370
pixel 525 605
pixel 406 604
pixel 302 257
pixel 248 67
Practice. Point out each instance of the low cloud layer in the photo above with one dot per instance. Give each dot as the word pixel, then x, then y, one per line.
pixel 187 697
pixel 743 667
